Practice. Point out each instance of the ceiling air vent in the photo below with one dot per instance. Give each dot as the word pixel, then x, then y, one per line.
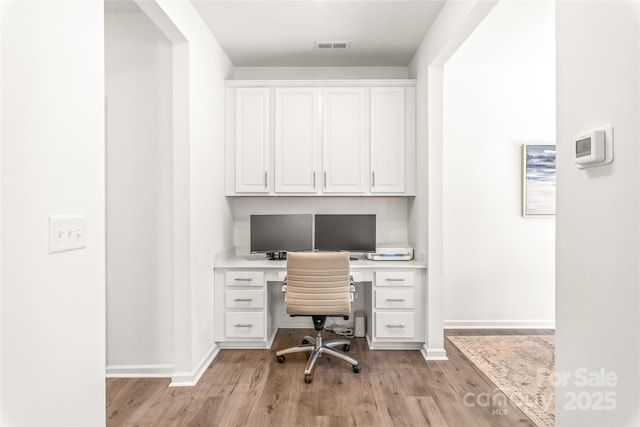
pixel 332 45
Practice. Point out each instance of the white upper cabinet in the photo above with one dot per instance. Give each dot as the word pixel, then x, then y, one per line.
pixel 296 140
pixel 252 130
pixel 388 143
pixel 344 140
pixel 321 137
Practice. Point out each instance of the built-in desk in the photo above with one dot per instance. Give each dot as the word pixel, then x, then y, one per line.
pixel 250 307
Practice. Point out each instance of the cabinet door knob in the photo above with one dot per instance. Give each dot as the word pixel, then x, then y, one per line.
pixel 395 299
pixel 265 179
pixel 243 279
pixel 373 178
pixel 395 279
pixel 395 326
pixel 244 325
pixel 324 179
pixel 243 299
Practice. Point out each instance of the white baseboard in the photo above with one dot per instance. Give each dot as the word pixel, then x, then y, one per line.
pixel 139 371
pixel 433 353
pixel 188 379
pixel 499 324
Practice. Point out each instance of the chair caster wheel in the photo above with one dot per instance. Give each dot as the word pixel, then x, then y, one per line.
pixel 346 347
pixel 280 359
pixel 308 379
pixel 356 369
pixel 305 342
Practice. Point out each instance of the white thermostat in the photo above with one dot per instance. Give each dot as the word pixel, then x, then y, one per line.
pixel 594 147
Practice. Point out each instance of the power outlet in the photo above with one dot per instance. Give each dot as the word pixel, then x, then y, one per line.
pixel 67 233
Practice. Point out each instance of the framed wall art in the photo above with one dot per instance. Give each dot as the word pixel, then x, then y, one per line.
pixel 538 179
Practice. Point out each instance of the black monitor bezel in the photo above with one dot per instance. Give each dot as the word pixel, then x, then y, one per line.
pixel 276 250
pixel 370 249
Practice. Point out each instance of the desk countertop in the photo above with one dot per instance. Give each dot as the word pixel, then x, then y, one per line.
pixel 232 259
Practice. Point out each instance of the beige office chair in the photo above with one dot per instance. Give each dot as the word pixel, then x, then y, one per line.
pixel 318 284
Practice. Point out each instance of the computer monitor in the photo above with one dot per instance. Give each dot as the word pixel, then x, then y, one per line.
pixel 353 233
pixel 276 234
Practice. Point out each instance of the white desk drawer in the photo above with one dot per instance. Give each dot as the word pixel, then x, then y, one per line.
pixel 242 324
pixel 394 298
pixel 244 278
pixel 394 325
pixel 394 278
pixel 244 298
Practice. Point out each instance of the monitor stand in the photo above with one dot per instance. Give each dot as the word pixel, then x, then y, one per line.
pixel 276 256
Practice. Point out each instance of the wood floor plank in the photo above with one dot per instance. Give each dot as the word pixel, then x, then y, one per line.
pixel 135 397
pixel 250 388
pixel 425 408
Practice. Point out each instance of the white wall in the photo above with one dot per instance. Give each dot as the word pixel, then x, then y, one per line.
pixel 391 213
pixel 201 216
pixel 454 23
pixel 139 196
pixel 499 92
pixel 52 338
pixel 598 214
pixel 1 9
pixel 320 73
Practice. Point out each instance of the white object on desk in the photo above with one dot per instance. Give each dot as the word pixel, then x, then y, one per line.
pixel 392 253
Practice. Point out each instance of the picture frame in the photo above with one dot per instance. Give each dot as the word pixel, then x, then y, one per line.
pixel 538 179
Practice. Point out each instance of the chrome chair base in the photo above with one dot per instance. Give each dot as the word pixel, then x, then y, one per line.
pixel 317 348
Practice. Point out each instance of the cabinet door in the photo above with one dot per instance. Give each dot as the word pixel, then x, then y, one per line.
pixel 388 140
pixel 252 134
pixel 344 140
pixel 296 140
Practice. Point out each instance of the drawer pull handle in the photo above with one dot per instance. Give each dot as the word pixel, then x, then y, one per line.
pixel 243 299
pixel 395 326
pixel 244 325
pixel 396 299
pixel 243 279
pixel 395 279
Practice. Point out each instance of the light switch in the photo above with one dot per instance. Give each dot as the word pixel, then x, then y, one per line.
pixel 67 233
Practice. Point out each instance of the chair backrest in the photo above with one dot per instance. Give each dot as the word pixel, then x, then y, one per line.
pixel 318 283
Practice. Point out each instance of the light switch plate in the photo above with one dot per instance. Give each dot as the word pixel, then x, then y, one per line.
pixel 67 233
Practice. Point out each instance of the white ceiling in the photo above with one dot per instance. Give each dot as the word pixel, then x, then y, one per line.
pixel 284 32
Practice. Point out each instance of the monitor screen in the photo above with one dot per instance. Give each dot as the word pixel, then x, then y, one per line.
pixel 279 233
pixel 353 233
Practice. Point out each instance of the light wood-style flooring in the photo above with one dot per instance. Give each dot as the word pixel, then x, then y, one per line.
pixel 250 388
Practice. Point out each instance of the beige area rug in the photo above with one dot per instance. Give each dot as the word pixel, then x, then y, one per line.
pixel 521 366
